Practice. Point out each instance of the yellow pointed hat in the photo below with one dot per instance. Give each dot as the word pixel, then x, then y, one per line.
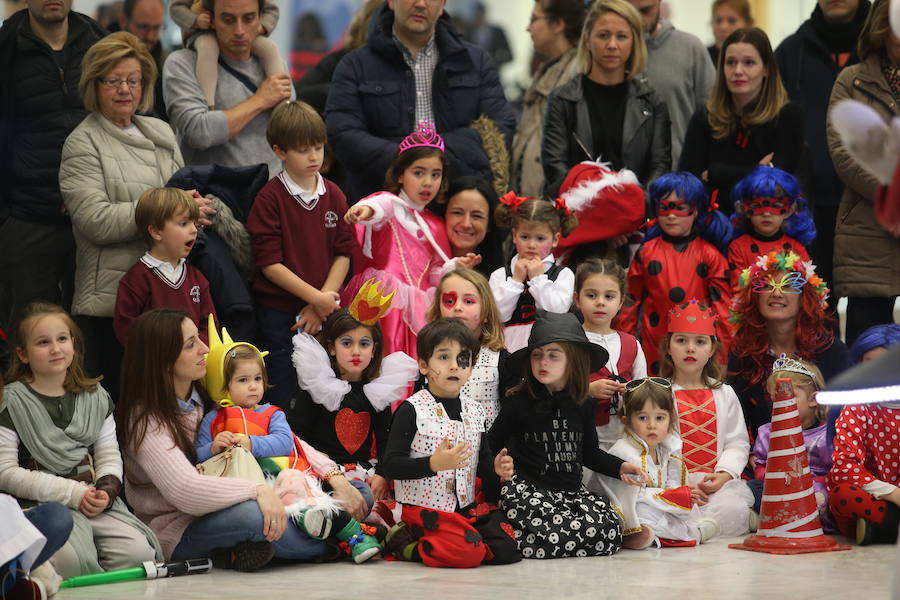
pixel 219 347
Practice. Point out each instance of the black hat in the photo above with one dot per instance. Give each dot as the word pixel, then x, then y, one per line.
pixel 557 327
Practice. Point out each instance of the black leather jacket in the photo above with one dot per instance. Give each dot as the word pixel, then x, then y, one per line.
pixel 646 134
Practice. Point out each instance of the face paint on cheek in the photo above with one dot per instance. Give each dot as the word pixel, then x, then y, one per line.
pixel 448 299
pixel 464 359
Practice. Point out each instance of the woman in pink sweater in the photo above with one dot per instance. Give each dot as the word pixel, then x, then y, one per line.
pixel 240 524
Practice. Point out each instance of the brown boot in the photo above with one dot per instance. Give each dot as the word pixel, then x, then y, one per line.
pixel 639 539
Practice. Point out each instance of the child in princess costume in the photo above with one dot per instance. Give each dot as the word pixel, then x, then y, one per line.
pixel 402 243
pixel 236 378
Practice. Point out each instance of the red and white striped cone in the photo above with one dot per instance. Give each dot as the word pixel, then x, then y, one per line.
pixel 789 519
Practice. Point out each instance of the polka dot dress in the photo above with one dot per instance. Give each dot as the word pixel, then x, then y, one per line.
pixel 743 250
pixel 663 274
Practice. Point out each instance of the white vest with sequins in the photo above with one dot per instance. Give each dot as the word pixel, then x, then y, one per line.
pixel 446 489
pixel 484 384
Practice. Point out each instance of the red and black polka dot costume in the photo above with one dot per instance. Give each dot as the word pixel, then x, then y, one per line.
pixel 668 271
pixel 744 250
pixel 866 452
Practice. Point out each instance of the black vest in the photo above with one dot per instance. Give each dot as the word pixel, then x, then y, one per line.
pixel 525 308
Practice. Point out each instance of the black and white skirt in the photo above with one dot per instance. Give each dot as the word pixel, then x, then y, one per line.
pixel 550 524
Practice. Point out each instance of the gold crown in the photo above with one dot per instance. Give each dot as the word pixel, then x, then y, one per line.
pixel 369 305
pixel 219 347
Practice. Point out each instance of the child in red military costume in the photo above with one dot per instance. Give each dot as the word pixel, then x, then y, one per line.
pixel 863 490
pixel 715 445
pixel 436 447
pixel 681 258
pixel 600 289
pixel 770 213
pixel 237 375
pixel 166 219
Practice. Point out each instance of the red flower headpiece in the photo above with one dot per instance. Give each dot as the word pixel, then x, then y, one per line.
pixel 560 205
pixel 513 201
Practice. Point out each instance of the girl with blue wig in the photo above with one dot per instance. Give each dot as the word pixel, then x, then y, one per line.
pixel 680 258
pixel 770 213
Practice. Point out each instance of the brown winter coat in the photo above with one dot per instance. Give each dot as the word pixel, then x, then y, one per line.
pixel 866 256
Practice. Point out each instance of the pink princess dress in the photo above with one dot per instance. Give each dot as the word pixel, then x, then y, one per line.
pixel 406 248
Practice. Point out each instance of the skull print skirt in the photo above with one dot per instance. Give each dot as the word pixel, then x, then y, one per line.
pixel 552 524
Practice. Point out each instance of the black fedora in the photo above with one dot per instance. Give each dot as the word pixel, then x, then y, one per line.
pixel 556 327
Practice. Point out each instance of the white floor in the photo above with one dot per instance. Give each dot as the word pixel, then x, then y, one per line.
pixel 709 571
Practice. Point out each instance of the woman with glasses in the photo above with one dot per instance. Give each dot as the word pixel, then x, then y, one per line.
pixel 107 162
pixel 779 308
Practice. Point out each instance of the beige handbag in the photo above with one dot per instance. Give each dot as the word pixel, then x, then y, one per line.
pixel 235 462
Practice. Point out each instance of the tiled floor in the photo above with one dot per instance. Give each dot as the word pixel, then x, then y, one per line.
pixel 709 571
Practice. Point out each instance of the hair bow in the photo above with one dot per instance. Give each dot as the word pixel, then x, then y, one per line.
pixel 513 201
pixel 714 200
pixel 560 205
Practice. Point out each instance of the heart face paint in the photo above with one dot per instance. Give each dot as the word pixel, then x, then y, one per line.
pixel 460 299
pixel 449 299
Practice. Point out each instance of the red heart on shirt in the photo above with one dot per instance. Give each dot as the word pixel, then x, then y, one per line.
pixel 352 428
pixel 365 312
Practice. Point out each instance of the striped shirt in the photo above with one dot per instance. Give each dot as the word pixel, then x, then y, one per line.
pixel 422 67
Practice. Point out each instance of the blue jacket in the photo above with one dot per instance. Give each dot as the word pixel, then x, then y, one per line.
pixel 371 104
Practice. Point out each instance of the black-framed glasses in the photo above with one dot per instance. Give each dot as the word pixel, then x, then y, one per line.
pixel 115 82
pixel 637 383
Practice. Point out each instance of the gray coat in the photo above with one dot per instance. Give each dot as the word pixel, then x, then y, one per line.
pixel 866 256
pixel 568 140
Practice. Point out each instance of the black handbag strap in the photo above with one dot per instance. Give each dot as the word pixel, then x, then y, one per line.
pixel 238 75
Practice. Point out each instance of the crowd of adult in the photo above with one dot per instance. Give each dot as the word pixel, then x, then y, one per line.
pixel 91 120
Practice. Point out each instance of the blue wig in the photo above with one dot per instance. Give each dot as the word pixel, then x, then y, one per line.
pixel 876 336
pixel 769 182
pixel 713 225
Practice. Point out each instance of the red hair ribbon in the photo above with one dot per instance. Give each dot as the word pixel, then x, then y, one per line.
pixel 513 201
pixel 713 200
pixel 560 205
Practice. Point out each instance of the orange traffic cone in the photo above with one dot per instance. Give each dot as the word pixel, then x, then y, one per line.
pixel 789 519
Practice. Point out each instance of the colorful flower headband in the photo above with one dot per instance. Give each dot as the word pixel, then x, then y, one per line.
pixel 758 276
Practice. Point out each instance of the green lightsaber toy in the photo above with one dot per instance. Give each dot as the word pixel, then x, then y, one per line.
pixel 148 570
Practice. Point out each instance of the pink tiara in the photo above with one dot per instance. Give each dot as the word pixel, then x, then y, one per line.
pixel 424 135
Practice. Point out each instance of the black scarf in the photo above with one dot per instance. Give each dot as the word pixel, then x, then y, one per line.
pixel 840 37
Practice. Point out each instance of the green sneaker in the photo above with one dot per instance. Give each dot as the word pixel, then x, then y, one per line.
pixel 362 546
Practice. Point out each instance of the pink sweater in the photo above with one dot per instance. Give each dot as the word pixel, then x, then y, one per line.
pixel 167 493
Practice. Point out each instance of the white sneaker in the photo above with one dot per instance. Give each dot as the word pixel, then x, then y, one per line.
pixel 753 521
pixel 709 528
pixel 316 521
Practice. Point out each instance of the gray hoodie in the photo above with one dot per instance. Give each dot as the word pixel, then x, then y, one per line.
pixel 680 71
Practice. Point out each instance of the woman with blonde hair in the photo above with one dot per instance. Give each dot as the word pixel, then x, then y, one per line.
pixel 607 111
pixel 748 120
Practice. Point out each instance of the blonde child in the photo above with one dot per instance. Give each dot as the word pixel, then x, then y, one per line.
pixel 167 220
pixel 404 245
pixel 600 289
pixel 533 280
pixel 807 381
pixel 437 445
pixel 769 214
pixel 464 294
pixel 547 422
pixel 680 258
pixel 58 444
pixel 664 508
pixel 195 19
pixel 236 379
pixel 716 448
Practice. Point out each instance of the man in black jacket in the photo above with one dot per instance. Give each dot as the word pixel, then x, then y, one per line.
pixel 41 48
pixel 809 61
pixel 415 67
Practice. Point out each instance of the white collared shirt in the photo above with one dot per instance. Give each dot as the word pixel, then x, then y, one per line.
pixel 305 198
pixel 172 274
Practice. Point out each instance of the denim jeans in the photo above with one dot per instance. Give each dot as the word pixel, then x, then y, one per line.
pixel 241 523
pixel 54 521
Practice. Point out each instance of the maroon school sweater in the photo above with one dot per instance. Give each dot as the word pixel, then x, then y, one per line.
pixel 306 241
pixel 144 288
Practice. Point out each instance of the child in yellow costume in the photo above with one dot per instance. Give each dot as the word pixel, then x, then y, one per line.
pixel 236 379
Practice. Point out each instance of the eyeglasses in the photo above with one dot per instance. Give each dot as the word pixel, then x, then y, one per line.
pixel 637 383
pixel 115 82
pixel 792 283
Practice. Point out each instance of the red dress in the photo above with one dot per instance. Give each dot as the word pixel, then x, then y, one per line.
pixel 743 251
pixel 668 271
